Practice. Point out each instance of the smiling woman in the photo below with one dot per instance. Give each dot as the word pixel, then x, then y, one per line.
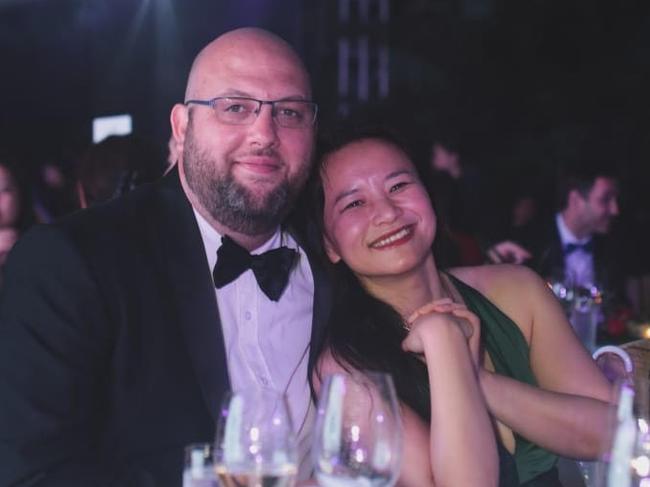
pixel 457 342
pixel 377 214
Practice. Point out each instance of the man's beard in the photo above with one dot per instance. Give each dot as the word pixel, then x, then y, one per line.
pixel 229 202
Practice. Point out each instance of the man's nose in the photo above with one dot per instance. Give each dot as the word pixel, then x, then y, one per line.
pixel 263 130
pixel 613 207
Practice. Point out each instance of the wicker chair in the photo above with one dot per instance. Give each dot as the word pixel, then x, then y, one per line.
pixel 639 352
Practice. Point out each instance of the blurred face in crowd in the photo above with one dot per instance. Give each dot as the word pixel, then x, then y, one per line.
pixel 445 160
pixel 244 177
pixel 9 199
pixel 377 214
pixel 8 237
pixel 597 210
pixel 523 211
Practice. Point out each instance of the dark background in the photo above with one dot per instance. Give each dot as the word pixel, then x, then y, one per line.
pixel 520 81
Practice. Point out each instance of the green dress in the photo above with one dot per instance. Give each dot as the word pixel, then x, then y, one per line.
pixel 508 350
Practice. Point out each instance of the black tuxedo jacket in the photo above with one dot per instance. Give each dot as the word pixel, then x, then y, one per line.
pixel 609 267
pixel 111 352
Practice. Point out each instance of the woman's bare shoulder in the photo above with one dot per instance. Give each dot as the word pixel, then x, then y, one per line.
pixel 493 280
pixel 512 288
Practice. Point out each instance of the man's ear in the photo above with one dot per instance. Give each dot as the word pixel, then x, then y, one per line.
pixel 575 198
pixel 332 254
pixel 179 118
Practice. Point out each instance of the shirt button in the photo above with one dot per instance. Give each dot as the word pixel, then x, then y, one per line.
pixel 247 315
pixel 264 381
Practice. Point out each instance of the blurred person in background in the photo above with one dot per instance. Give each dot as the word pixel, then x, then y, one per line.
pixel 15 203
pixel 580 246
pixel 576 246
pixel 518 225
pixel 468 185
pixel 115 166
pixel 16 213
pixel 53 192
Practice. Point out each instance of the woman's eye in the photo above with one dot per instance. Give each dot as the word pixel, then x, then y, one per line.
pixel 353 204
pixel 398 186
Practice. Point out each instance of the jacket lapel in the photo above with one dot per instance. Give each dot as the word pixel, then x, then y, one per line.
pixel 192 290
pixel 550 263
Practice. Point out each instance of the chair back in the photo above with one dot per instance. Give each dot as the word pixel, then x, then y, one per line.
pixel 639 352
pixel 615 362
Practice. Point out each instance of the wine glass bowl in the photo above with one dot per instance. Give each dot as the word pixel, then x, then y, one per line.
pixel 255 444
pixel 358 431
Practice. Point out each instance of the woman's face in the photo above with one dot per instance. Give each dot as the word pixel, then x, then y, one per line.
pixel 378 217
pixel 9 201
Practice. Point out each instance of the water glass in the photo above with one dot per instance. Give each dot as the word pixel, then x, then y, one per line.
pixel 358 432
pixel 584 321
pixel 198 470
pixel 255 444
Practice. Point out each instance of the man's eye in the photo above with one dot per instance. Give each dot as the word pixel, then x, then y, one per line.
pixel 293 114
pixel 235 108
pixel 288 112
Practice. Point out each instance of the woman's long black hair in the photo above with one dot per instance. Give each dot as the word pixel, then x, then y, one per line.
pixel 364 332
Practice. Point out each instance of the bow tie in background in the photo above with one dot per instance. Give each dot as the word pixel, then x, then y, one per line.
pixel 587 247
pixel 271 268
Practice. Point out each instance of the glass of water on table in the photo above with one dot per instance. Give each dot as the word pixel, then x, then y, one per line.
pixel 358 432
pixel 199 468
pixel 255 444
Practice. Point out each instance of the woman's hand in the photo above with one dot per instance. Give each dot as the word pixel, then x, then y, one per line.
pixel 466 321
pixel 443 333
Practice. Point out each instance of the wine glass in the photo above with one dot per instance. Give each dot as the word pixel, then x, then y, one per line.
pixel 358 433
pixel 255 444
pixel 626 461
pixel 199 470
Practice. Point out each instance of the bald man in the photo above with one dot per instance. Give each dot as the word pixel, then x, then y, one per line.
pixel 122 326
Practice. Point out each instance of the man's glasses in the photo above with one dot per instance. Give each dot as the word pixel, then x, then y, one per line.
pixel 241 110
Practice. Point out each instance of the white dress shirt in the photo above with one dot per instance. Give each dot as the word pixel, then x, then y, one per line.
pixel 267 342
pixel 578 265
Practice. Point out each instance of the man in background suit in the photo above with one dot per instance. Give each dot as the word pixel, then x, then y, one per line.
pixel 578 249
pixel 115 344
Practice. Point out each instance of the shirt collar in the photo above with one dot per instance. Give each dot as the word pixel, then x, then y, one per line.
pixel 566 236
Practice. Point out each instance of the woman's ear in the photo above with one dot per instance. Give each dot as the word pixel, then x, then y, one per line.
pixel 332 254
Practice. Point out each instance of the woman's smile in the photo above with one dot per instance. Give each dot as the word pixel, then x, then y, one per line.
pixel 394 238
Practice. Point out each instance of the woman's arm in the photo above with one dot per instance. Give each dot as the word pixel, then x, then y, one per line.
pixel 460 425
pixel 570 425
pixel 569 412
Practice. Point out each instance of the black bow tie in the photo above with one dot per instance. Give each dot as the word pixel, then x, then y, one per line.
pixel 271 268
pixel 585 247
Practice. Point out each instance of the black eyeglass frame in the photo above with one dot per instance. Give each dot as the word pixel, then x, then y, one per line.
pixel 211 102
